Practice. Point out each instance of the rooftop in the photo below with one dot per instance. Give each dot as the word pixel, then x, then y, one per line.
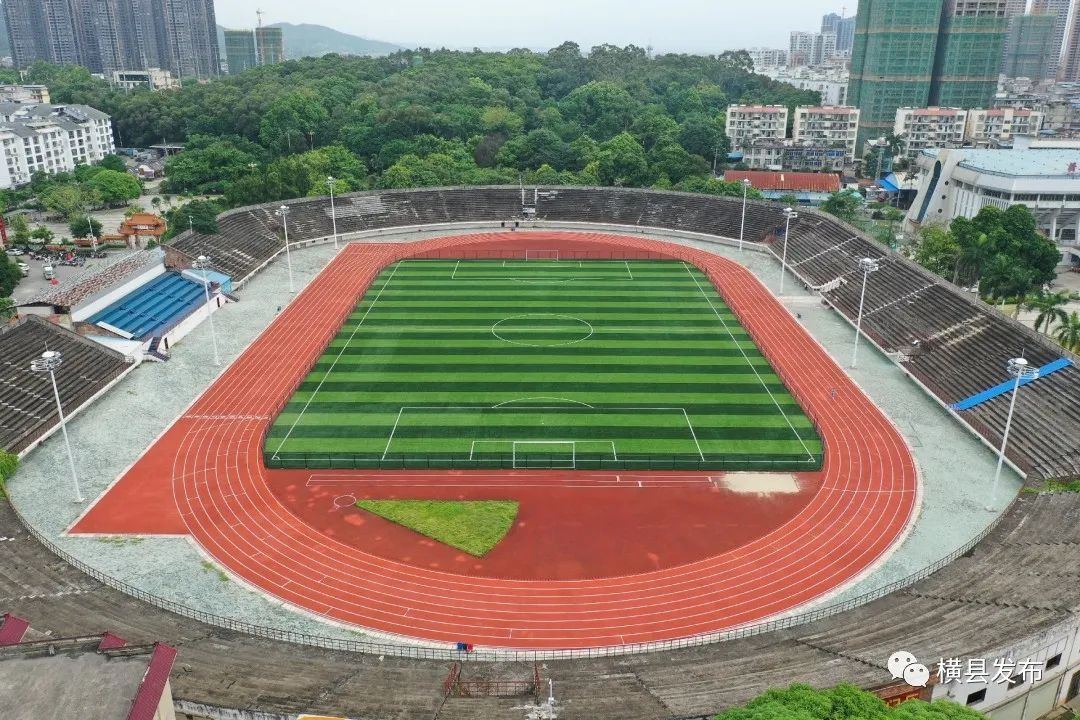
pixel 795 181
pixel 85 680
pixel 1033 162
pixel 73 292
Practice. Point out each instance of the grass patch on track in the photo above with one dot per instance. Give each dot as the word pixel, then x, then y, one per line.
pixel 474 526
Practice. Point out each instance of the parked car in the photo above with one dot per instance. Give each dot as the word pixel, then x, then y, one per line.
pixel 24 268
pixel 47 272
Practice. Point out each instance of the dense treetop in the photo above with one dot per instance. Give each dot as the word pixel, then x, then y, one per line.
pixel 614 116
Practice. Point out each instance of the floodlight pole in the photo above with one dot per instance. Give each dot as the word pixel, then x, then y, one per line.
pixel 203 263
pixel 867 265
pixel 1020 369
pixel 742 225
pixel 283 213
pixel 93 237
pixel 49 362
pixel 790 215
pixel 333 210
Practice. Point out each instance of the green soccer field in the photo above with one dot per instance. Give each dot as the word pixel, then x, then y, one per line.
pixel 543 364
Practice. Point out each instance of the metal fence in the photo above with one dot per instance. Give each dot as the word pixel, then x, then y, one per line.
pixel 539 461
pixel 421 652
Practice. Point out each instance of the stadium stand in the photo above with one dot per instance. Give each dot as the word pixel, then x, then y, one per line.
pixel 953 344
pixel 153 308
pixel 1001 593
pixel 27 407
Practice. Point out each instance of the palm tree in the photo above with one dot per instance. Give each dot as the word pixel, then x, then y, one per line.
pixel 1050 309
pixel 1069 333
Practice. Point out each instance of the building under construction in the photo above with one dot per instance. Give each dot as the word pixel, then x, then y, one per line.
pixel 245 49
pixel 1030 50
pixel 914 53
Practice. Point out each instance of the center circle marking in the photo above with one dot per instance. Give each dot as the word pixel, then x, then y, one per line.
pixel 505 326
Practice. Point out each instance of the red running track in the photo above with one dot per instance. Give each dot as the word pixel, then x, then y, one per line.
pixel 204 477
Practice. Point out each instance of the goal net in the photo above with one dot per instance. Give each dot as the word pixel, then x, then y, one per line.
pixel 545 454
pixel 542 255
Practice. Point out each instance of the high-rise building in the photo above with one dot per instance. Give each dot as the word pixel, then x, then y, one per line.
pixel 240 51
pixel 969 52
pixel 914 53
pixel 110 35
pixel 42 30
pixel 1070 62
pixel 270 45
pixel 1059 9
pixel 1029 49
pixel 844 27
pixel 812 49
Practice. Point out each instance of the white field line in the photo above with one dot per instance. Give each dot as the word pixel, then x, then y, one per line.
pixel 693 434
pixel 754 369
pixel 333 364
pixel 628 269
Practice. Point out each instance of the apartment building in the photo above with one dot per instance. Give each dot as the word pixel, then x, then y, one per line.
pixel 50 139
pixel 930 127
pixel 827 126
pixel 746 123
pixel 1000 125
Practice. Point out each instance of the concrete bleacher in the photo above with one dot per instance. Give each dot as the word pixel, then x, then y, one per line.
pixel 27 406
pixel 152 308
pixel 1017 583
pixel 956 346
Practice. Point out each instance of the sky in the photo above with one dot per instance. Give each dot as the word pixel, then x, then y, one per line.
pixel 703 26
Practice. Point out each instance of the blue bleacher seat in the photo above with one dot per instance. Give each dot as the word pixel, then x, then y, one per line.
pixel 153 308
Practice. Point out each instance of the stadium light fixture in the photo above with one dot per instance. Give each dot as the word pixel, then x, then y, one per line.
pixel 49 362
pixel 283 213
pixel 93 237
pixel 333 210
pixel 867 266
pixel 1022 370
pixel 203 263
pixel 790 215
pixel 742 225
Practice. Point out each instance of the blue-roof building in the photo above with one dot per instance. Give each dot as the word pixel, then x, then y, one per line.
pixel 1046 178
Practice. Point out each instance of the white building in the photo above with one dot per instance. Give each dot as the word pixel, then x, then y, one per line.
pixel 809 48
pixel 50 139
pixel 746 123
pixel 830 126
pixel 930 127
pixel 779 155
pixel 999 125
pixel 830 82
pixel 764 58
pixel 959 182
pixel 152 78
pixel 24 93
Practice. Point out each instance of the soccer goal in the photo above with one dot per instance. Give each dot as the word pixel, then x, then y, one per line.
pixel 542 255
pixel 545 454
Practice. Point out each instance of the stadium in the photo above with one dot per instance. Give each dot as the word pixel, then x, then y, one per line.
pixel 599 437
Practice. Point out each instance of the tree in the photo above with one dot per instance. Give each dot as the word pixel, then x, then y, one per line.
pixel 1050 308
pixel 115 188
pixel 82 227
pixel 294 122
pixel 7 309
pixel 198 214
pixel 113 162
pixel 42 234
pixel 603 108
pixel 844 702
pixel 208 164
pixel 1069 333
pixel 68 199
pixel 704 136
pixel 671 160
pixel 937 250
pixel 10 275
pixel 844 204
pixel 622 162
pixel 20 229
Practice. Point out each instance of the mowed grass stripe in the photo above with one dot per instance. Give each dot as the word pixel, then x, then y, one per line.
pixel 655 341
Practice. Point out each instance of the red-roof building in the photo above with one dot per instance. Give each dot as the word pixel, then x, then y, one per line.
pixel 808 188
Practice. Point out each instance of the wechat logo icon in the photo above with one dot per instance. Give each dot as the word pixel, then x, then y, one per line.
pixel 904 666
